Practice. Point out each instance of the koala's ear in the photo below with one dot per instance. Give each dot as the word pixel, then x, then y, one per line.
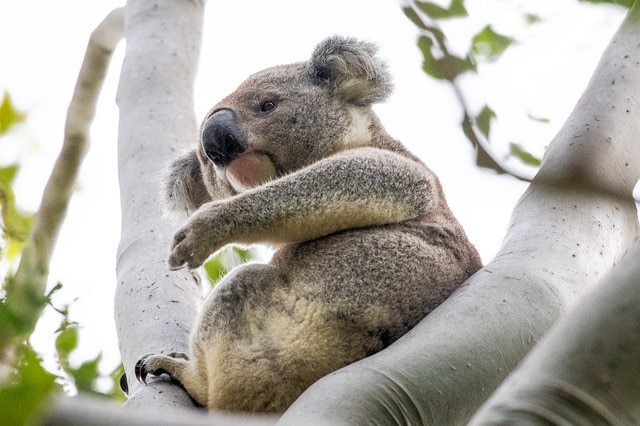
pixel 183 186
pixel 351 70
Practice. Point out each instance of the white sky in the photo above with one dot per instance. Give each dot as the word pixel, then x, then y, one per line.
pixel 43 44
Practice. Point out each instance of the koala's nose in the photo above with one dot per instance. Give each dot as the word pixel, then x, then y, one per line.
pixel 222 139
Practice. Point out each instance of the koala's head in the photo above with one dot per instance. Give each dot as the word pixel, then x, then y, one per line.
pixel 287 117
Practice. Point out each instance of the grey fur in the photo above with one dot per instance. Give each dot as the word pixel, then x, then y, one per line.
pixel 366 244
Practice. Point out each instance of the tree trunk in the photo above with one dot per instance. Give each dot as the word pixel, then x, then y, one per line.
pixel 154 308
pixel 571 226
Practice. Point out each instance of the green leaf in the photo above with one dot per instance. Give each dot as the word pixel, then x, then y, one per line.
pixel 488 44
pixel 532 18
pixel 244 255
pixel 483 158
pixel 86 375
pixel 8 173
pixel 523 155
pixel 116 392
pixel 15 223
pixel 483 120
pixel 26 394
pixel 10 328
pixel 433 11
pixel 413 17
pixel 215 268
pixel 9 115
pixel 448 67
pixel 542 120
pixel 625 3
pixel 67 341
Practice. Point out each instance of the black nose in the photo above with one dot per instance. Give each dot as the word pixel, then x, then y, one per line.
pixel 222 139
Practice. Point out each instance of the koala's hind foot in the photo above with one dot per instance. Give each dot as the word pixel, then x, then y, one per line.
pixel 178 367
pixel 155 365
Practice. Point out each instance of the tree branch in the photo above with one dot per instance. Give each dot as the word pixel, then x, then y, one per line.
pixel 574 222
pixel 587 369
pixel 26 290
pixel 154 308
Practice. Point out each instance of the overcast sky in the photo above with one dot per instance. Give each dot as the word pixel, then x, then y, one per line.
pixel 43 44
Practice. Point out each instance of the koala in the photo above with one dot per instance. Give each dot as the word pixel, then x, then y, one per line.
pixel 365 243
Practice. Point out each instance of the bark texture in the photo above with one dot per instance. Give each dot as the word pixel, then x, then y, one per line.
pixel 154 308
pixel 587 369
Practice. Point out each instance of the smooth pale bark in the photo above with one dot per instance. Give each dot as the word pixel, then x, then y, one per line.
pixel 84 410
pixel 571 226
pixel 586 371
pixel 154 307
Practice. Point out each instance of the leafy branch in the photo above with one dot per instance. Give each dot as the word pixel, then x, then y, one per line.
pixel 24 292
pixel 441 64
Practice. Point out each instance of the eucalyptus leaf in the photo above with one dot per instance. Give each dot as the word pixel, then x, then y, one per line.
pixel 456 9
pixel 25 395
pixel 483 120
pixel 489 45
pixel 9 115
pixel 413 17
pixel 8 173
pixel 625 3
pixel 447 67
pixel 523 155
pixel 86 375
pixel 215 269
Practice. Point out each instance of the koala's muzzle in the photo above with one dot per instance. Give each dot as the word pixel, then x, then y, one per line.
pixel 222 140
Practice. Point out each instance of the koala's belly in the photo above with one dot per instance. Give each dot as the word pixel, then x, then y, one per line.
pixel 375 280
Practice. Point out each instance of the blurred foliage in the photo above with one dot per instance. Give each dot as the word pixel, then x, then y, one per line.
pixel 487 45
pixel 624 3
pixel 434 11
pixel 85 376
pixel 524 156
pixel 441 64
pixel 25 385
pixel 26 392
pixel 230 257
pixel 15 224
pixel 9 115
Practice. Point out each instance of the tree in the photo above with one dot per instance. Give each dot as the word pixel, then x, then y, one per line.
pixel 571 226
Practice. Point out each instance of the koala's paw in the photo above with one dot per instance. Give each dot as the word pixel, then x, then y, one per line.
pixel 157 365
pixel 190 248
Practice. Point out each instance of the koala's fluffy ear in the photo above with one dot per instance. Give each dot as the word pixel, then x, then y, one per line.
pixel 351 70
pixel 183 188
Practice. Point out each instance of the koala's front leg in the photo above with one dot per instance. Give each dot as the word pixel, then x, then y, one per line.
pixel 202 235
pixel 357 188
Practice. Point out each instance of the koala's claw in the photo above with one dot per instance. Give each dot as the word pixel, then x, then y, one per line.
pixel 178 238
pixel 141 369
pixel 185 252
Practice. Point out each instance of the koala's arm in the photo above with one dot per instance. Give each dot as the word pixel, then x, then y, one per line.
pixel 357 188
pixel 183 187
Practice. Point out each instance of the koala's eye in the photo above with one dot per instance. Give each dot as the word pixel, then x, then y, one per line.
pixel 267 106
